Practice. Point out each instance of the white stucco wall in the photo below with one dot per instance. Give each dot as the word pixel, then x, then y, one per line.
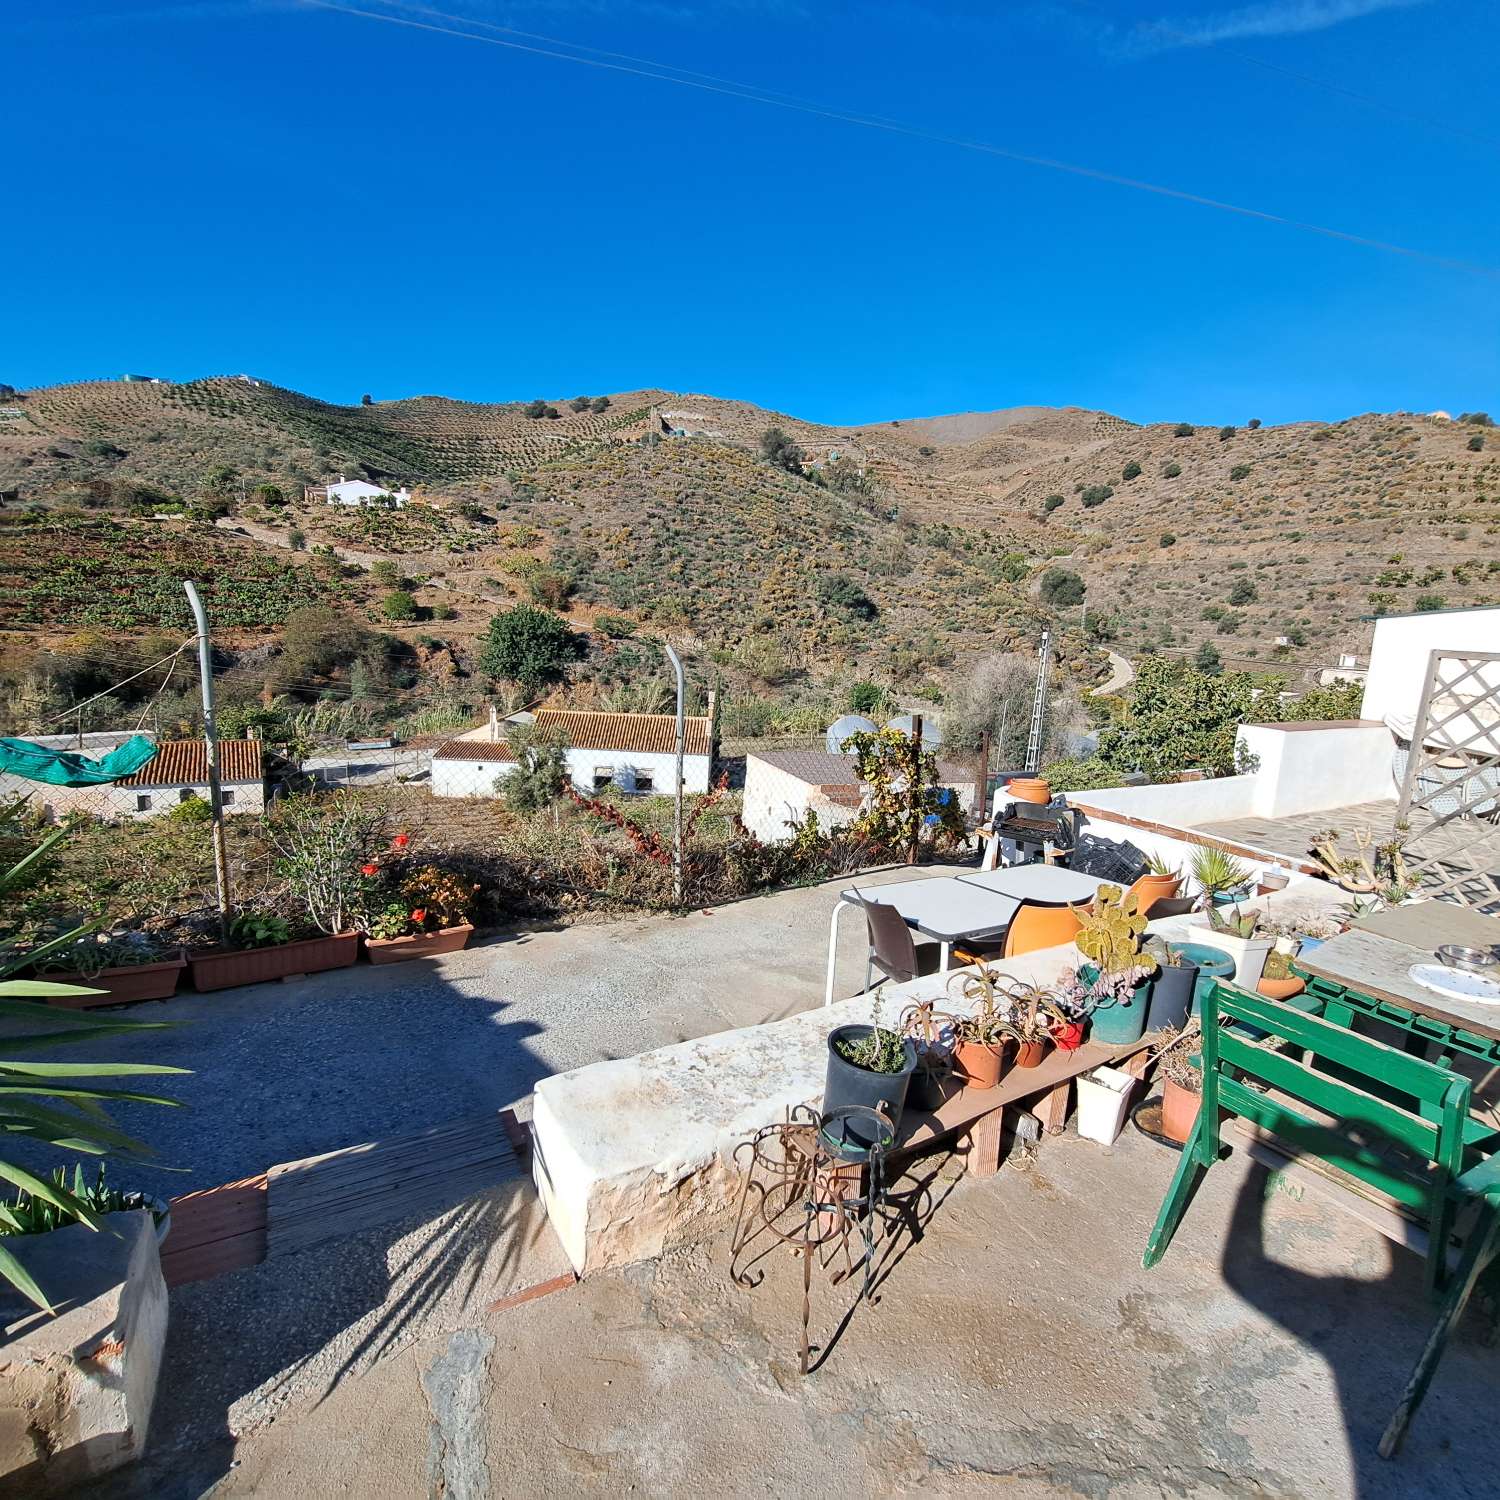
pixel 1305 770
pixel 773 798
pixel 119 802
pixel 474 778
pixel 1403 645
pixel 1182 804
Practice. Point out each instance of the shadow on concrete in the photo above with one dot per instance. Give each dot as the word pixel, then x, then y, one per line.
pixel 242 1347
pixel 1369 1333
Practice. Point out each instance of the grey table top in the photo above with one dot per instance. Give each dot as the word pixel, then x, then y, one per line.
pixel 1048 884
pixel 946 907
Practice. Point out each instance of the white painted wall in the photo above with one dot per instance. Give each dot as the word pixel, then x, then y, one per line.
pixel 1307 770
pixel 774 797
pixel 1183 804
pixel 474 778
pixel 119 803
pixel 361 492
pixel 1399 658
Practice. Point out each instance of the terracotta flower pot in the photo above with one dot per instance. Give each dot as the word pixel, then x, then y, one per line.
pixel 121 986
pixel 1030 789
pixel 979 1066
pixel 1281 989
pixel 419 944
pixel 228 967
pixel 1179 1110
pixel 1030 1054
pixel 1150 889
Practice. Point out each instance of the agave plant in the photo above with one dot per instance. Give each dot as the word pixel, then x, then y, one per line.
pixel 1218 872
pixel 57 1103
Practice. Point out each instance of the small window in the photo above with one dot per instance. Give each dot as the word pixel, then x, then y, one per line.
pixel 644 783
pixel 186 794
pixel 603 779
pixel 143 802
pixel 226 797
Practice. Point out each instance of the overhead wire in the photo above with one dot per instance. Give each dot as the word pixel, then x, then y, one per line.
pixel 708 83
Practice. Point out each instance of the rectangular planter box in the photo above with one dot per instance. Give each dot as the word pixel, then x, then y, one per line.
pixel 229 967
pixel 121 986
pixel 1249 954
pixel 418 945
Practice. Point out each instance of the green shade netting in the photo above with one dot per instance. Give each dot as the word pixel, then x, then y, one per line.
pixel 68 767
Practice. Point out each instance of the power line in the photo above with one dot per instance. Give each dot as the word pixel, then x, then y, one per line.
pixel 661 73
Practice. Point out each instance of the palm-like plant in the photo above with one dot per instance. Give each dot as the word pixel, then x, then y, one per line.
pixel 57 1103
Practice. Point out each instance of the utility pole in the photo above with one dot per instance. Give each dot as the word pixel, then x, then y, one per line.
pixel 211 746
pixel 677 884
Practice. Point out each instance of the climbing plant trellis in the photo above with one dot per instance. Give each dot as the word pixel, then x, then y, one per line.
pixel 1449 812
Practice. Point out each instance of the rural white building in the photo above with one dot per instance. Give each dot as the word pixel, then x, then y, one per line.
pixel 359 492
pixel 783 786
pixel 177 772
pixel 634 752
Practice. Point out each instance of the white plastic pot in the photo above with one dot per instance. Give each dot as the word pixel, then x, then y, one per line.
pixel 1249 954
pixel 1103 1097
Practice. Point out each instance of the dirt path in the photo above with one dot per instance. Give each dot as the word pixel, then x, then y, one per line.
pixel 1121 674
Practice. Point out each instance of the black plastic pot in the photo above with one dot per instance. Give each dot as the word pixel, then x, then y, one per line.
pixel 1172 996
pixel 847 1084
pixel 930 1083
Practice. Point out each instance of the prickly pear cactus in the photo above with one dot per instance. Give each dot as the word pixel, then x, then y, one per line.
pixel 1111 935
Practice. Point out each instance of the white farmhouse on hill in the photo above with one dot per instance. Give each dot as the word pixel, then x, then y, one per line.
pixel 358 492
pixel 634 752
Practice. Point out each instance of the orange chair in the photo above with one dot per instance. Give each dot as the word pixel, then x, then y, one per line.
pixel 1031 928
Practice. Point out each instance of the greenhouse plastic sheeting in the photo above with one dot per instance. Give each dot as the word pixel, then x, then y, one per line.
pixel 68 767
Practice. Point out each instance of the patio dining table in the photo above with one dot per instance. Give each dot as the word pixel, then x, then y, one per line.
pixel 963 908
pixel 1374 957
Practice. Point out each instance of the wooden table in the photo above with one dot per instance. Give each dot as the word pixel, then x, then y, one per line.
pixel 980 1113
pixel 1374 955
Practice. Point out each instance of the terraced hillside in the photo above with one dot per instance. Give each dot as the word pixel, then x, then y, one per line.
pixel 1272 544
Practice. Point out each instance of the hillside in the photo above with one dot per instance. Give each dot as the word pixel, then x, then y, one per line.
pixel 922 544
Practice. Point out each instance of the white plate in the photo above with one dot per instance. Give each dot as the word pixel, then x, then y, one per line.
pixel 1456 984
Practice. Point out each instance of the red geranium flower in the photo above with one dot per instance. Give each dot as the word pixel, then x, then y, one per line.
pixel 1069 1036
pixel 420 914
pixel 369 869
pixel 400 841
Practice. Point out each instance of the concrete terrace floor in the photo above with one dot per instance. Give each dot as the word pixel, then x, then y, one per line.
pixel 1017 1349
pixel 285 1071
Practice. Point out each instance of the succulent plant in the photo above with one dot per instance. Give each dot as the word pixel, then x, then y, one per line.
pixel 1112 929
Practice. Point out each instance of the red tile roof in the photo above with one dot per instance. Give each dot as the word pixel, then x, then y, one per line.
pixel 185 763
pixel 474 750
pixel 642 734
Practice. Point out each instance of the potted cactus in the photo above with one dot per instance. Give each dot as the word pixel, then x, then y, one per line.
pixel 1277 981
pixel 1220 876
pixel 1176 982
pixel 1115 985
pixel 1236 933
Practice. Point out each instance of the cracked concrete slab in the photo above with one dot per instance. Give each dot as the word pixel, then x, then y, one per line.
pixel 455 1383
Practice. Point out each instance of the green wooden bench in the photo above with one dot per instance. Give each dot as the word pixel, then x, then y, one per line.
pixel 1395 1123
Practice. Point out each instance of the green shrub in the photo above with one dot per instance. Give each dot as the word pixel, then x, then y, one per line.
pixel 1096 494
pixel 399 605
pixel 1184 429
pixel 1132 470
pixel 1240 471
pixel 616 627
pixel 1051 503
pixel 1476 444
pixel 1428 602
pixel 839 591
pixel 1167 539
pixel 1243 591
pixel 1225 433
pixel 1253 423
pixel 529 646
pixel 866 698
pixel 1170 470
pixel 778 449
pixel 1061 588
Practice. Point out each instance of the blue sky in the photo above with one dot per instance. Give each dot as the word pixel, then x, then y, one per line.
pixel 343 203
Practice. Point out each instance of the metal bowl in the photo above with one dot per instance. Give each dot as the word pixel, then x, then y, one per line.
pixel 1475 960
